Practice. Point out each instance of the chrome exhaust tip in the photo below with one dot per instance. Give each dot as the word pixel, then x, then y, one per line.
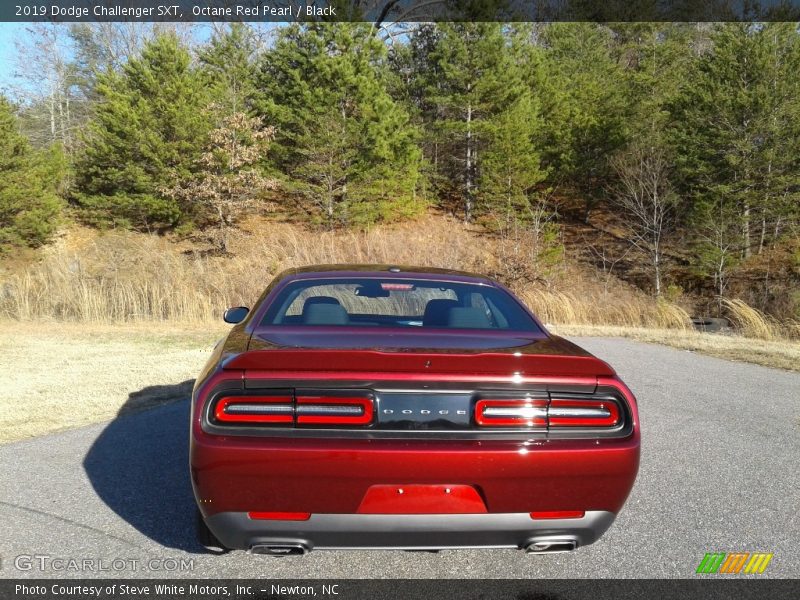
pixel 551 545
pixel 279 549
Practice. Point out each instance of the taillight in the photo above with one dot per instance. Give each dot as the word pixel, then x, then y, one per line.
pixel 254 409
pixel 557 413
pixel 583 413
pixel 334 410
pixel 290 409
pixel 526 412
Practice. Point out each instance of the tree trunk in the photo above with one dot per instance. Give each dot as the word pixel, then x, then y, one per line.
pixel 223 232
pixel 68 132
pixel 52 106
pixel 468 173
pixel 746 229
pixel 657 270
pixel 61 120
pixel 331 190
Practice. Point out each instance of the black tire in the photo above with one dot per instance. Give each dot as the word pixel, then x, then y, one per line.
pixel 710 324
pixel 206 538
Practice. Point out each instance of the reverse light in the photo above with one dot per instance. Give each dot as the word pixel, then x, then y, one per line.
pixel 254 409
pixel 525 412
pixel 583 413
pixel 334 410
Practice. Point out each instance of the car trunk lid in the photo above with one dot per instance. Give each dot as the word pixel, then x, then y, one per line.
pixel 356 363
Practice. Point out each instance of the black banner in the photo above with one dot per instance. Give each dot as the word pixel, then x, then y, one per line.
pixel 400 589
pixel 391 11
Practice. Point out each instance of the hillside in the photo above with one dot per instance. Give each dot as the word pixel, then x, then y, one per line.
pixel 121 276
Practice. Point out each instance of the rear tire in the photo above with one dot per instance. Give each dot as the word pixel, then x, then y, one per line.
pixel 206 538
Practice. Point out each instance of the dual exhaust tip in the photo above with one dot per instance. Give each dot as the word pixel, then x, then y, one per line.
pixel 551 545
pixel 535 546
pixel 280 549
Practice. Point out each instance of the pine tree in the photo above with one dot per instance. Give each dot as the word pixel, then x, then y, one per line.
pixel 467 77
pixel 735 128
pixel 149 127
pixel 657 58
pixel 344 145
pixel 29 206
pixel 228 61
pixel 511 165
pixel 586 112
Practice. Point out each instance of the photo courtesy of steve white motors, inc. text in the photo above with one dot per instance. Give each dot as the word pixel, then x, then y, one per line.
pixel 172 11
pixel 173 589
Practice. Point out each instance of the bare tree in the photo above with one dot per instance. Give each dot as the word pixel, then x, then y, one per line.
pixel 100 47
pixel 608 262
pixel 718 247
pixel 646 198
pixel 228 179
pixel 47 81
pixel 529 242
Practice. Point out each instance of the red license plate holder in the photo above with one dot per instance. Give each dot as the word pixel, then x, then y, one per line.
pixel 421 499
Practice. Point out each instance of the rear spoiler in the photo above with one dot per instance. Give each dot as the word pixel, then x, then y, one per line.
pixel 485 363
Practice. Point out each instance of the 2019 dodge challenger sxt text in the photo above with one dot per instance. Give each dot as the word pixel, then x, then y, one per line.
pixel 394 407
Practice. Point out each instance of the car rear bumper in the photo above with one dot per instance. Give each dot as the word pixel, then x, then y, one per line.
pixel 408 532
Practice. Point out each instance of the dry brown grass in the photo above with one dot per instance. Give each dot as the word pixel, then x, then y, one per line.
pixel 751 322
pixel 601 309
pixel 780 354
pixel 63 375
pixel 123 277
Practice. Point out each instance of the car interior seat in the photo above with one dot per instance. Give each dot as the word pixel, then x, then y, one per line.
pixel 461 317
pixel 436 312
pixel 324 310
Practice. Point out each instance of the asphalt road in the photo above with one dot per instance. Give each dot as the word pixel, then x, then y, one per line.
pixel 720 471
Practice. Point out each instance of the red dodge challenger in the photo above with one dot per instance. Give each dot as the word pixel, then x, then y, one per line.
pixel 409 408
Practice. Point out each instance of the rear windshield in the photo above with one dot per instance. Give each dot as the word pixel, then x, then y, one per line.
pixel 412 303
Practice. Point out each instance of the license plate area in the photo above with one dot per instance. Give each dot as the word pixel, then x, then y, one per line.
pixel 419 499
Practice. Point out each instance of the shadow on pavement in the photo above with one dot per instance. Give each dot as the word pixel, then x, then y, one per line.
pixel 139 466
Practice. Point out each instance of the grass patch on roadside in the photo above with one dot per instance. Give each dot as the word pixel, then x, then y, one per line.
pixel 780 354
pixel 64 375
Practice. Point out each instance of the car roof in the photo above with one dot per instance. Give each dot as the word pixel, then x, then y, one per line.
pixel 385 271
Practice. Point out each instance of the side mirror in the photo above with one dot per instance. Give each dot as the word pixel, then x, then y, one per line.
pixel 235 315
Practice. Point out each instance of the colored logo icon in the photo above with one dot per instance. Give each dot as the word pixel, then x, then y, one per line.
pixel 734 562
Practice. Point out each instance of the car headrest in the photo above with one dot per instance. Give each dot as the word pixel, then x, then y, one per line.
pixel 324 310
pixel 436 312
pixel 467 318
pixel 320 300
